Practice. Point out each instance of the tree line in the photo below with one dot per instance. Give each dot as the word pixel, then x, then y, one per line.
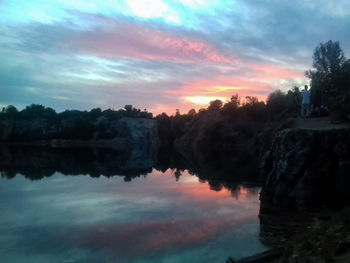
pixel 330 92
pixel 37 122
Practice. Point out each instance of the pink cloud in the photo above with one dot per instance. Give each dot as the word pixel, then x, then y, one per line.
pixel 128 40
pixel 249 80
pixel 275 72
pixel 216 73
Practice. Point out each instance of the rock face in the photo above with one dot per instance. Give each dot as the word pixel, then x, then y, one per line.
pixel 308 168
pixel 215 141
pixel 139 132
pixel 142 135
pixel 135 138
pixel 40 127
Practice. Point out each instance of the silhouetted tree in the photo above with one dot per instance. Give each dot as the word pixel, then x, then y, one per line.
pixel 215 105
pixel 128 108
pixel 192 112
pixel 10 110
pixel 330 79
pixel 38 111
pixel 254 109
pixel 235 100
pixel 166 134
pixel 294 101
pixel 231 108
pixel 328 58
pixel 276 102
pixel 95 113
pixel 251 100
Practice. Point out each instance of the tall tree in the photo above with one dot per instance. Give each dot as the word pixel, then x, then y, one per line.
pixel 328 77
pixel 328 58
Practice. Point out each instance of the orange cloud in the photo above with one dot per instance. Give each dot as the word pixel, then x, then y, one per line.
pixel 200 93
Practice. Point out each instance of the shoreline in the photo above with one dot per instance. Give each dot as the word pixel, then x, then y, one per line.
pixel 118 144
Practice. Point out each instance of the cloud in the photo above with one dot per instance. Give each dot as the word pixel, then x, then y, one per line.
pixel 109 56
pixel 274 72
pixel 159 10
pixel 145 43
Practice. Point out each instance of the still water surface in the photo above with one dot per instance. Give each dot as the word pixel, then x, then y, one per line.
pixel 154 218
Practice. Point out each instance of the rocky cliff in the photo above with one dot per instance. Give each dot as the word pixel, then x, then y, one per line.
pixel 138 132
pixel 143 138
pixel 135 141
pixel 308 167
pixel 217 142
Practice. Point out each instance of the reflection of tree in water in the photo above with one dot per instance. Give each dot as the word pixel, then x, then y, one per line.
pixel 39 162
pixel 236 188
pixel 177 174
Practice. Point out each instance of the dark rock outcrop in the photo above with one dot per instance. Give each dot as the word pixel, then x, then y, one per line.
pixel 140 134
pixel 42 128
pixel 216 142
pixel 307 168
pixel 140 131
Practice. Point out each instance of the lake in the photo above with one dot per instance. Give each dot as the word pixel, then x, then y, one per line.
pixel 155 217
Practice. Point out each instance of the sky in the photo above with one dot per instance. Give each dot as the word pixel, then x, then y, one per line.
pixel 159 55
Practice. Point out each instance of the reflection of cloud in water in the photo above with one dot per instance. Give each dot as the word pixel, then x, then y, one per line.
pixel 191 188
pixel 145 238
pixel 152 216
pixel 134 240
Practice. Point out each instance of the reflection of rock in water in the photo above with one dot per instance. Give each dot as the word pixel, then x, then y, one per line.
pixel 132 153
pixel 38 162
pixel 225 176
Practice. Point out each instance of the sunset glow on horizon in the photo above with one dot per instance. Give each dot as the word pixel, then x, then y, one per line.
pixel 198 100
pixel 160 55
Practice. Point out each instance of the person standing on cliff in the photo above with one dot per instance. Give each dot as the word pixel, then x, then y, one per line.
pixel 305 102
